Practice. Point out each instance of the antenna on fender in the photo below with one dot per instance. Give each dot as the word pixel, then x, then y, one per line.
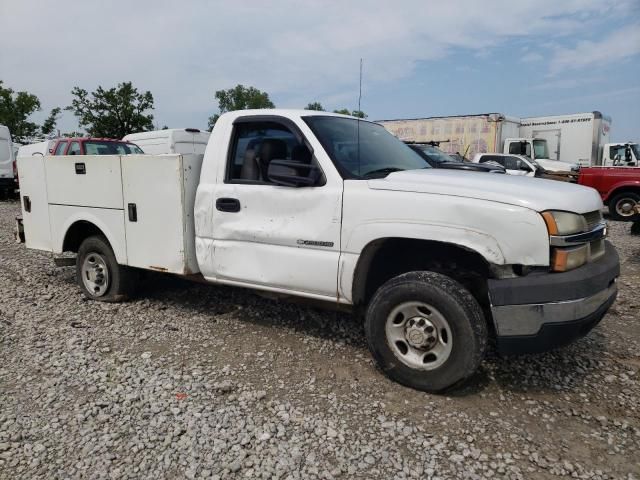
pixel 359 113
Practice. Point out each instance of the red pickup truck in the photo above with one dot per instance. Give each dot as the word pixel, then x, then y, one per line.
pixel 619 188
pixel 93 146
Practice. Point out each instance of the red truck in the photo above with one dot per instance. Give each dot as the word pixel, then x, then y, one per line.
pixel 93 146
pixel 619 188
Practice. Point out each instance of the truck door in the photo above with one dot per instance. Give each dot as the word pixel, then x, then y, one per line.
pixel 282 237
pixel 552 137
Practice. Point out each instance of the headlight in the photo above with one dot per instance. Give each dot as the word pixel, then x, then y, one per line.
pixel 564 223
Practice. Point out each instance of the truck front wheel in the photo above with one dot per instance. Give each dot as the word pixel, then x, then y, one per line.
pixel 98 273
pixel 426 331
pixel 622 207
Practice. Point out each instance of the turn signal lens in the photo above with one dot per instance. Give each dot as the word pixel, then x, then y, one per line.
pixel 551 223
pixel 565 259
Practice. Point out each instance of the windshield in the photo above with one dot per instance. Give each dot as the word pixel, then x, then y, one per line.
pixel 434 153
pixel 379 152
pixel 96 147
pixel 540 149
pixel 636 150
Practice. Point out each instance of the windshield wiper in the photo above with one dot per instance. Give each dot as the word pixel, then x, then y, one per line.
pixel 382 172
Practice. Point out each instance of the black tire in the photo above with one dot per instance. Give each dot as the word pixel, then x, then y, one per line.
pixel 630 198
pixel 121 280
pixel 462 313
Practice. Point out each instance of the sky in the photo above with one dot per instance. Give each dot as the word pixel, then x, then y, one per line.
pixel 421 58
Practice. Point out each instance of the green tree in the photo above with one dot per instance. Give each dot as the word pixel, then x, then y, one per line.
pixel 354 113
pixel 15 109
pixel 74 134
pixel 113 113
pixel 314 106
pixel 239 98
pixel 50 123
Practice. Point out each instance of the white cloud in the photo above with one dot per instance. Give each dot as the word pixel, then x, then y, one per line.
pixel 620 44
pixel 298 51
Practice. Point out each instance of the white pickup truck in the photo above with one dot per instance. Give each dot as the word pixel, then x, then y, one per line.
pixel 324 206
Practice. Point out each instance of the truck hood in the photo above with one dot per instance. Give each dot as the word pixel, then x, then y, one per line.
pixel 534 193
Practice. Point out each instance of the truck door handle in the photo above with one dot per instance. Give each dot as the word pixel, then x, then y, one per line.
pixel 133 212
pixel 228 205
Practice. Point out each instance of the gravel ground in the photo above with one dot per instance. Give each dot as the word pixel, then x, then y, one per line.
pixel 198 381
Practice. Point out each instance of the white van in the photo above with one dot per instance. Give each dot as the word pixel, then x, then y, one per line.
pixel 172 140
pixel 7 180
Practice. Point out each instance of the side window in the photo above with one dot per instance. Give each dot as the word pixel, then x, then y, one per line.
pixel 493 159
pixel 520 148
pixel 74 149
pixel 515 163
pixel 60 148
pixel 256 144
pixel 613 151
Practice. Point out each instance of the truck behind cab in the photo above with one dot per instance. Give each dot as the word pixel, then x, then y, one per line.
pixel 93 146
pixel 619 188
pixel 336 209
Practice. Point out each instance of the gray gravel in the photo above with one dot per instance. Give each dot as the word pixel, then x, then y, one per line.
pixel 197 381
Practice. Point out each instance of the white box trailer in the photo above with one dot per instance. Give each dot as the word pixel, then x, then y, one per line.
pixel 143 205
pixel 575 138
pixel 171 140
pixel 464 134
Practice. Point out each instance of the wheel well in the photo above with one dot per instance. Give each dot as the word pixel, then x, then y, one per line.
pixel 619 190
pixel 386 258
pixel 79 232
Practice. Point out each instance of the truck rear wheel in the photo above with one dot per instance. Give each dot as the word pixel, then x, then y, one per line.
pixel 426 331
pixel 623 206
pixel 98 273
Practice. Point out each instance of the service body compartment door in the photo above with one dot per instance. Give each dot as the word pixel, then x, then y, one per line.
pixel 84 180
pixel 158 203
pixel 35 209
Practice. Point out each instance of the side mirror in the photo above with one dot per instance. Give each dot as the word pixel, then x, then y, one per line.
pixel 290 173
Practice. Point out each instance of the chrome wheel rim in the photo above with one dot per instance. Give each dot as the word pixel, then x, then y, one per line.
pixel 419 335
pixel 626 207
pixel 95 274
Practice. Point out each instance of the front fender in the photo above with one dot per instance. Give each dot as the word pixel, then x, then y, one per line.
pixel 630 184
pixel 501 234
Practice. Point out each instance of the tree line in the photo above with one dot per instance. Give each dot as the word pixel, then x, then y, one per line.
pixel 118 111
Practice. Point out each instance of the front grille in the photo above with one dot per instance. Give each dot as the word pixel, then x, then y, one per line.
pixel 593 219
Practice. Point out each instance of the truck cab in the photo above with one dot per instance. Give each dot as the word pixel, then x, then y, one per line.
pixel 93 146
pixel 621 155
pixel 537 149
